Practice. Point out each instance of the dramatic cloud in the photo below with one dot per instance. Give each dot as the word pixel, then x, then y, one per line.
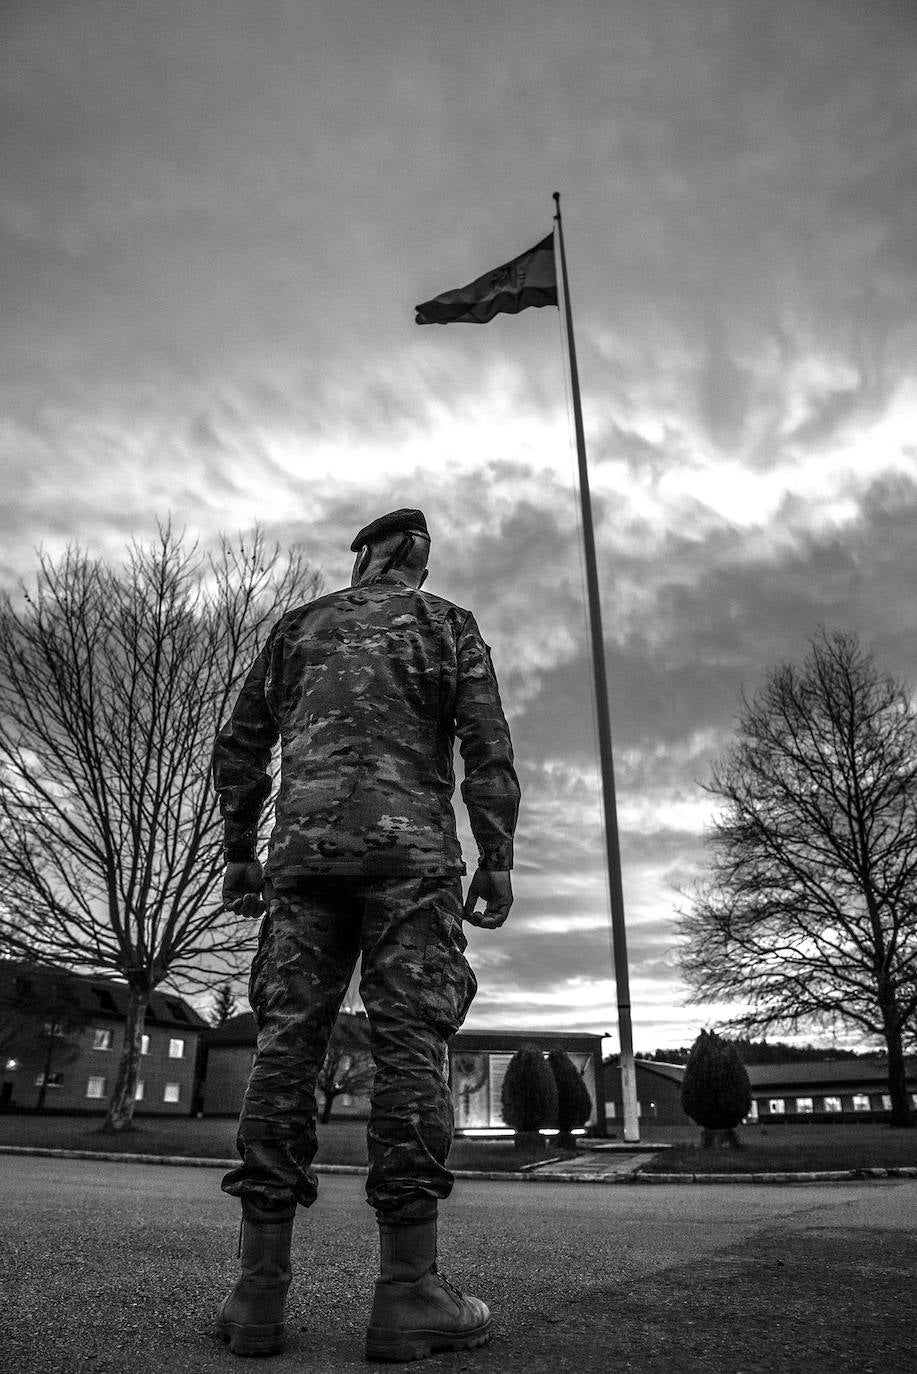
pixel 216 220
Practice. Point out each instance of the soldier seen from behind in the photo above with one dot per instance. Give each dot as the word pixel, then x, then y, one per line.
pixel 365 690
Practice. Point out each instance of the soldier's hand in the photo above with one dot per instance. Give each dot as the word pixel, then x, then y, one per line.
pixel 242 884
pixel 495 888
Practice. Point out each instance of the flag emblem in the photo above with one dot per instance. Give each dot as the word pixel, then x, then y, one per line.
pixel 529 280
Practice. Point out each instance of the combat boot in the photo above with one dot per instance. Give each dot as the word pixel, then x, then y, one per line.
pixel 251 1318
pixel 415 1310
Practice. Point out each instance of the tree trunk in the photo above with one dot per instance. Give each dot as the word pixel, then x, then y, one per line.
pixel 120 1116
pixel 902 1114
pixel 714 1139
pixel 43 1090
pixel 326 1108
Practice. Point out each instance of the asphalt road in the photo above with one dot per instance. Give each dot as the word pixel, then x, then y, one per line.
pixel 113 1268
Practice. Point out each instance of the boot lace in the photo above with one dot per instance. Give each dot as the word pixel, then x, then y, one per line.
pixel 450 1287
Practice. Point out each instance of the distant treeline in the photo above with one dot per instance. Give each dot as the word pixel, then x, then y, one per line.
pixel 761 1052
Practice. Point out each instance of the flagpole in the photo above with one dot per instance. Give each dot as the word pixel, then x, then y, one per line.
pixel 615 886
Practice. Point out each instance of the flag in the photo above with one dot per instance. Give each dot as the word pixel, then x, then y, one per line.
pixel 528 280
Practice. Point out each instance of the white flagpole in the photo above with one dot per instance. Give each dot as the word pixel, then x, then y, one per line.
pixel 616 892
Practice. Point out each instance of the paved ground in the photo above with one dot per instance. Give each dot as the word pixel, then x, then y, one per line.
pixel 594 1164
pixel 117 1268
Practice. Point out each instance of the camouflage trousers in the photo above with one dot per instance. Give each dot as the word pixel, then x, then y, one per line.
pixel 416 986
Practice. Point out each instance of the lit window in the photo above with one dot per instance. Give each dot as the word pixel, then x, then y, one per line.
pixel 138 1091
pixel 776 1106
pixel 176 1049
pixel 886 1103
pixel 861 1102
pixel 833 1104
pixel 805 1104
pixel 95 1087
pixel 753 1110
pixel 914 1099
pixel 101 1039
pixel 610 1110
pixel 172 1092
pixel 54 1080
pixel 144 1044
pixel 12 1065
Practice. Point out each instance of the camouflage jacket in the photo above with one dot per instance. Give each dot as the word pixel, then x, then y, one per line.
pixel 366 689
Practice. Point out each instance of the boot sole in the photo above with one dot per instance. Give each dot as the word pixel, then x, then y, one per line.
pixel 252 1340
pixel 382 1344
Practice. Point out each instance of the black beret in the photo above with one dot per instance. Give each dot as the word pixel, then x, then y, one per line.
pixel 396 522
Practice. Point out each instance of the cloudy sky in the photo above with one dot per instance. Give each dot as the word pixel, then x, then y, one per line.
pixel 215 220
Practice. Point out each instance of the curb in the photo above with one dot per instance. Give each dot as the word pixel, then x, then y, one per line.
pixel 494 1175
pixel 816 1176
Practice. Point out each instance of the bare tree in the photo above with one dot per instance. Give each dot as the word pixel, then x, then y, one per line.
pixel 348 1065
pixel 809 911
pixel 113 682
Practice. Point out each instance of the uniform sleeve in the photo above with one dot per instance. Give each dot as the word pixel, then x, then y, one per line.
pixel 490 789
pixel 242 757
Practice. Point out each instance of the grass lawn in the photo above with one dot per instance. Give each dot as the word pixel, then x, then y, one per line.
pixel 768 1149
pixel 791 1149
pixel 340 1142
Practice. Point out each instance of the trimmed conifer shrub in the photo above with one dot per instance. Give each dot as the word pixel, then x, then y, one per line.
pixel 574 1105
pixel 715 1090
pixel 529 1096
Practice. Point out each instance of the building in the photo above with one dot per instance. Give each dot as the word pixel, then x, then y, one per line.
pixel 828 1090
pixel 799 1090
pixel 68 1029
pixel 478 1064
pixel 478 1061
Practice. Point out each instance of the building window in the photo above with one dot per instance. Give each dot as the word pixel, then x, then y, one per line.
pixel 138 1091
pixel 144 1044
pixel 101 1039
pixel 886 1103
pixel 805 1104
pixel 176 1049
pixel 776 1106
pixel 753 1110
pixel 914 1099
pixel 12 1065
pixel 54 1080
pixel 833 1104
pixel 172 1093
pixel 95 1087
pixel 861 1102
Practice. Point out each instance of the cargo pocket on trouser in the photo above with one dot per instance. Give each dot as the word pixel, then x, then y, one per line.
pixel 450 982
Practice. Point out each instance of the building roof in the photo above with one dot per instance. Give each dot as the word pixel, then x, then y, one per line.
pixel 238 1030
pixel 798 1073
pixel 98 995
pixel 827 1072
pixel 513 1039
